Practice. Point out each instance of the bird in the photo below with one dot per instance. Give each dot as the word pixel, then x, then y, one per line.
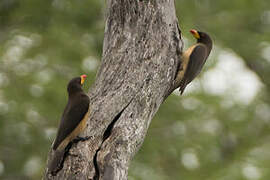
pixel 194 58
pixel 73 120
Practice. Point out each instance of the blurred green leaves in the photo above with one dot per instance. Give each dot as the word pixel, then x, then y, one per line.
pixel 206 134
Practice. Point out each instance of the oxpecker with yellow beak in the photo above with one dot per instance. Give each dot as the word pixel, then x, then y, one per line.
pixel 194 58
pixel 73 120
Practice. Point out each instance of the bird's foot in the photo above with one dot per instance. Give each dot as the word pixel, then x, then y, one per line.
pixel 78 138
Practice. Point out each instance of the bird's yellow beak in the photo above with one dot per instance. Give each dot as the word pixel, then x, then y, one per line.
pixel 195 33
pixel 83 77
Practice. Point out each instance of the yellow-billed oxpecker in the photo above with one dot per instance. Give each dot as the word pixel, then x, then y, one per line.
pixel 73 120
pixel 194 58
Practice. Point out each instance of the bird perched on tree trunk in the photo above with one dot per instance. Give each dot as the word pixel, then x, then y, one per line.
pixel 73 120
pixel 194 58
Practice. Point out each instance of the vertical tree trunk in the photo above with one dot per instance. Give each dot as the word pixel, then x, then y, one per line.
pixel 141 54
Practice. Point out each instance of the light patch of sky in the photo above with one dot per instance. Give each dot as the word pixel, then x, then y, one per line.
pixel 4 81
pixel 179 128
pixel 40 61
pixel 16 49
pixel 44 76
pixel 89 64
pixel 12 55
pixel 23 41
pixel 32 166
pixel 190 103
pixel 266 52
pixel 32 115
pixel 50 133
pixel 26 66
pixel 251 172
pixel 211 126
pixel 36 90
pixel 189 159
pixel 232 78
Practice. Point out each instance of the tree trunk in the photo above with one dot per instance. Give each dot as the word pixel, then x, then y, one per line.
pixel 141 55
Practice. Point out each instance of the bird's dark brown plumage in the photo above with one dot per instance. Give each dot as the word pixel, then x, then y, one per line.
pixel 75 110
pixel 194 58
pixel 73 120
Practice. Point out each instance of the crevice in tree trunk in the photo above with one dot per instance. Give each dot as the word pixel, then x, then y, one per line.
pixel 96 177
pixel 106 135
pixel 108 131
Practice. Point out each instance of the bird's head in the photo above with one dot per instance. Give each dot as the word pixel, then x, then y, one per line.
pixel 202 37
pixel 76 83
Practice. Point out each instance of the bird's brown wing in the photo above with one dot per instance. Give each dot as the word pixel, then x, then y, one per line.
pixel 74 112
pixel 196 61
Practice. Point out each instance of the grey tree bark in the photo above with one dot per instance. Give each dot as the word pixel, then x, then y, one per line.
pixel 141 55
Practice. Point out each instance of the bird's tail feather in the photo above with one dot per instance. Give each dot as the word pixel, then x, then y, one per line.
pixel 56 161
pixel 182 87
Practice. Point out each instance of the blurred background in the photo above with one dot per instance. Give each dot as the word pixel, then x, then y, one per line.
pixel 218 130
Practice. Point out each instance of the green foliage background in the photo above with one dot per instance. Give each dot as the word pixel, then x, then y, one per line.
pixel 200 135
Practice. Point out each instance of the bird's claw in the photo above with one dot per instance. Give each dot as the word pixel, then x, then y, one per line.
pixel 78 138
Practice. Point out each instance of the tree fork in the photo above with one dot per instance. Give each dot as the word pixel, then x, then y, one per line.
pixel 141 55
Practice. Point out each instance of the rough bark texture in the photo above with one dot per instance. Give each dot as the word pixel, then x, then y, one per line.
pixel 141 54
